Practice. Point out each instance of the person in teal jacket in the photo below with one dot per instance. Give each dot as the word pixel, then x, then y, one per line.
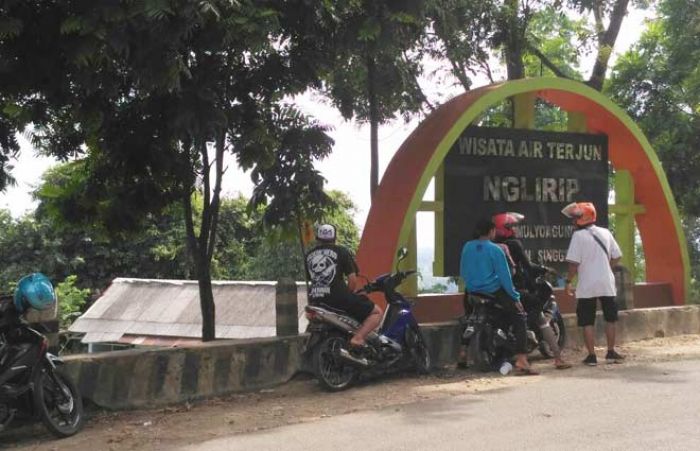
pixel 484 269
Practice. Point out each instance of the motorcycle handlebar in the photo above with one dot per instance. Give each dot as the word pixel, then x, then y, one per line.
pixel 372 286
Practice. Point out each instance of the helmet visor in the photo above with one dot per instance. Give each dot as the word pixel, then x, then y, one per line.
pixel 572 211
pixel 513 219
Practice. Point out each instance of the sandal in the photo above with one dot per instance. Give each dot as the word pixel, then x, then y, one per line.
pixel 527 371
pixel 562 366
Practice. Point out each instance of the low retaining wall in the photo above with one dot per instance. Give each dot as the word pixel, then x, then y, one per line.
pixel 139 378
pixel 642 324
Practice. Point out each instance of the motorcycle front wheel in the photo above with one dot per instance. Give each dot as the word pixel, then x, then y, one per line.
pixel 557 325
pixel 420 356
pixel 333 372
pixel 58 402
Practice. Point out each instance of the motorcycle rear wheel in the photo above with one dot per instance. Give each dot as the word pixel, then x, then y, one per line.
pixel 58 403
pixel 478 352
pixel 332 371
pixel 420 356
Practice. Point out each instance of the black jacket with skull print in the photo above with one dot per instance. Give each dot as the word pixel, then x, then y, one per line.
pixel 327 265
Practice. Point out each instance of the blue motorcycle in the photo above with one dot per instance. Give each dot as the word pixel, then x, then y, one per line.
pixel 399 342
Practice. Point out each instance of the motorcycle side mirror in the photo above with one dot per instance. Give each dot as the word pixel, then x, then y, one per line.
pixel 401 255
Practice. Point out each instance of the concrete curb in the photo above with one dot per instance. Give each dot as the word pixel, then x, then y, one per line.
pixel 148 378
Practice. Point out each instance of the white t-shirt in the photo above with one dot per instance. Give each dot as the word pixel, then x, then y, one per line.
pixel 595 278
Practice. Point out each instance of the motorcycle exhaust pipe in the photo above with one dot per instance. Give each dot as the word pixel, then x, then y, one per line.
pixel 361 361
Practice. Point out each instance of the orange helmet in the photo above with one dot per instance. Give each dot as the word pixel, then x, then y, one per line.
pixel 505 222
pixel 582 212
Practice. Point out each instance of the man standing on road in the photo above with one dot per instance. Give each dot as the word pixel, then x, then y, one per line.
pixel 592 253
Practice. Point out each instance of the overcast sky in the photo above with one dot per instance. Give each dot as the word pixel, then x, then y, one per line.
pixel 347 169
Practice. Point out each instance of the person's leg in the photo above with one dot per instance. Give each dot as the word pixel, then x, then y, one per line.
pixel 610 335
pixel 585 315
pixel 463 358
pixel 368 325
pixel 610 314
pixel 589 339
pixel 519 320
pixel 364 311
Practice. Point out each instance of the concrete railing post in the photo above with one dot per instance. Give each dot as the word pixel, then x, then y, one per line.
pixel 286 307
pixel 625 288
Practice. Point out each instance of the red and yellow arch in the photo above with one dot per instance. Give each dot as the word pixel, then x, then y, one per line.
pixel 400 193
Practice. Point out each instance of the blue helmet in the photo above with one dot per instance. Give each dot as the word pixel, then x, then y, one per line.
pixel 34 291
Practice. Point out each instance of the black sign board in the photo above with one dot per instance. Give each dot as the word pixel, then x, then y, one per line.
pixel 535 173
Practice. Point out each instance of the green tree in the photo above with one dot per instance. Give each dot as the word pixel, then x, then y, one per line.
pixel 278 254
pixel 533 37
pixel 375 63
pixel 658 83
pixel 158 92
pixel 71 300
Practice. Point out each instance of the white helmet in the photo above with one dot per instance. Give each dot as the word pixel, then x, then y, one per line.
pixel 325 232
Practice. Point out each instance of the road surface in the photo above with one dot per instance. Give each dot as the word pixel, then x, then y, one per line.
pixel 650 407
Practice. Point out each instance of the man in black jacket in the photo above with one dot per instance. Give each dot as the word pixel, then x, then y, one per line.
pixel 524 280
pixel 327 265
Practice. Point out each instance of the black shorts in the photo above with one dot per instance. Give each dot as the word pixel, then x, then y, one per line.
pixel 586 307
pixel 355 305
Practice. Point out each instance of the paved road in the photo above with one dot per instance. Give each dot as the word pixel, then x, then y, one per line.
pixel 650 407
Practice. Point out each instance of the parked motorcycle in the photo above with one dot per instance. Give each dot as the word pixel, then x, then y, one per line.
pixel 489 335
pixel 31 384
pixel 398 343
pixel 545 301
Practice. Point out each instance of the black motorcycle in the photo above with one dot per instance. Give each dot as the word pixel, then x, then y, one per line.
pixel 31 385
pixel 544 301
pixel 489 335
pixel 398 343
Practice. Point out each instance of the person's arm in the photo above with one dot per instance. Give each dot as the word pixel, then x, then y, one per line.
pixel 463 266
pixel 573 257
pixel 498 258
pixel 352 270
pixel 573 270
pixel 615 252
pixel 519 255
pixel 354 283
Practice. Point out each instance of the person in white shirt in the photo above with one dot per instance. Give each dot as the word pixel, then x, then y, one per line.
pixel 592 254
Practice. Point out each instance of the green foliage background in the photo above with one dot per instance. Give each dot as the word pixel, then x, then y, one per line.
pixel 84 259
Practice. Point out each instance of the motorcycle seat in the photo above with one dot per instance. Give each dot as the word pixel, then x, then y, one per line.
pixel 482 298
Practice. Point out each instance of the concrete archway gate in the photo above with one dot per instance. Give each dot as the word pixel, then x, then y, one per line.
pixel 649 200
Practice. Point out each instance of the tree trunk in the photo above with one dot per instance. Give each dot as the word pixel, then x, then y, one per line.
pixel 201 248
pixel 206 299
pixel 201 270
pixel 303 251
pixel 373 125
pixel 514 42
pixel 606 43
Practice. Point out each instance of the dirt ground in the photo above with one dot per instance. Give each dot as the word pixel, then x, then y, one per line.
pixel 302 400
